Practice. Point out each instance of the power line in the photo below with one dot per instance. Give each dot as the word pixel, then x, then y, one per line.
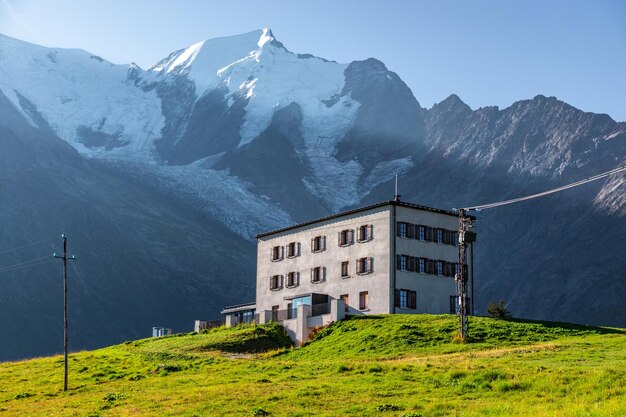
pixel 23 263
pixel 544 193
pixel 45 261
pixel 27 245
pixel 467 238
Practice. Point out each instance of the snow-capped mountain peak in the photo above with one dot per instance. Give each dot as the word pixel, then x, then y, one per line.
pixel 86 100
pixel 203 61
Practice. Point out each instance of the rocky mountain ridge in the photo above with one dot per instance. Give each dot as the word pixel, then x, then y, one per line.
pixel 234 136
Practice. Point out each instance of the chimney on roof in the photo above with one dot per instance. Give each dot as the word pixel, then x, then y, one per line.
pixel 396 197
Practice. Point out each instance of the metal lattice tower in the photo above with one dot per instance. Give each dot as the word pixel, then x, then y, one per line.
pixel 466 237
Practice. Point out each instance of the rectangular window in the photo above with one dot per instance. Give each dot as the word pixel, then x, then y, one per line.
pixel 422 267
pixel 292 250
pixel 346 300
pixel 422 232
pixel 292 279
pixel 364 233
pixel 404 299
pixel 439 235
pixel 318 244
pixel 275 313
pixel 363 300
pixel 346 237
pixel 275 282
pixel 439 267
pixel 277 253
pixel 364 266
pixel 454 304
pixel 403 262
pixel 345 269
pixel 402 229
pixel 317 274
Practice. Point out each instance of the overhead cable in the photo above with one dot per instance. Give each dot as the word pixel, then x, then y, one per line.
pixel 552 191
pixel 27 245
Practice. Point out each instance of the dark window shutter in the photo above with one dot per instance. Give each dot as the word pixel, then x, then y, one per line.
pixel 313 245
pixel 370 232
pixel 323 243
pixel 413 301
pixel 397 298
pixel 339 238
pixel 411 264
pixel 351 236
pixel 410 230
pixel 398 262
pixel 398 229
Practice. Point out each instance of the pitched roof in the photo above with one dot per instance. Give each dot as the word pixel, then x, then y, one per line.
pixel 358 210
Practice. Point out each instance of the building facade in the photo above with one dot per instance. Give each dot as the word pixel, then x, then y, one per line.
pixel 390 257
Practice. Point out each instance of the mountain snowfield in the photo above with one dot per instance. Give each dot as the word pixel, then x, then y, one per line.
pixel 235 136
pixel 107 111
pixel 114 112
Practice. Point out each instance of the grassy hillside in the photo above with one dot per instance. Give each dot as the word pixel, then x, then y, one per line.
pixel 375 366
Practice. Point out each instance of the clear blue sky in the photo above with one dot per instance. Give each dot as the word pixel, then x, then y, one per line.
pixel 488 52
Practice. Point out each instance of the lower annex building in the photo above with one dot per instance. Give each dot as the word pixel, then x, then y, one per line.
pixel 390 257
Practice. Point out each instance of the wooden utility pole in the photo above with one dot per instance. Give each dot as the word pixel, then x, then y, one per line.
pixel 65 259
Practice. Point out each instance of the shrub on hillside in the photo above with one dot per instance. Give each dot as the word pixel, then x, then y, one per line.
pixel 498 310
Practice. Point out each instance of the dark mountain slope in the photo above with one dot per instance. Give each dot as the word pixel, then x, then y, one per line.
pixel 142 257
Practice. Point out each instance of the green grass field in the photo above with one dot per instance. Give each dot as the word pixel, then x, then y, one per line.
pixel 401 365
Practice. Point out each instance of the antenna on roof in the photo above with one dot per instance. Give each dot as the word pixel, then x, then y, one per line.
pixel 396 197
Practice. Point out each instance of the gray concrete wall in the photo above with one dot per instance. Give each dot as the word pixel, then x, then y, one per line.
pixel 376 283
pixel 433 292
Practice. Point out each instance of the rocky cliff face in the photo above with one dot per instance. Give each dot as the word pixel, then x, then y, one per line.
pixel 162 177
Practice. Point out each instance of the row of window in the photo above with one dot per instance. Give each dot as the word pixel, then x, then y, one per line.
pixel 408 299
pixel 318 274
pixel 364 300
pixel 426 266
pixel 364 233
pixel 426 233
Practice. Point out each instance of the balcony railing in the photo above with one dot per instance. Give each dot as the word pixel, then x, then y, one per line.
pixel 210 324
pixel 281 315
pixel 247 319
pixel 320 309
